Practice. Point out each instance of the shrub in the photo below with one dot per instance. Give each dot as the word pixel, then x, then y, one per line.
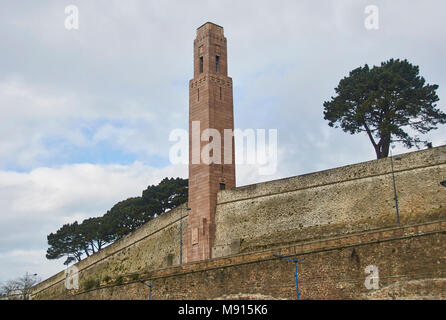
pixel 90 284
pixel 134 276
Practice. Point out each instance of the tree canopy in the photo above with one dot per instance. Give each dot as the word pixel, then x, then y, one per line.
pixel 75 240
pixel 384 102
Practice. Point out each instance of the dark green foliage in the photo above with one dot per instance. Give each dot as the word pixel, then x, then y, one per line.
pixel 127 216
pixel 96 233
pixel 384 102
pixel 134 276
pixel 107 279
pixel 67 241
pixel 167 195
pixel 74 240
pixel 119 280
pixel 90 284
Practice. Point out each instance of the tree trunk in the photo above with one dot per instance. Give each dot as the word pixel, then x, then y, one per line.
pixel 382 150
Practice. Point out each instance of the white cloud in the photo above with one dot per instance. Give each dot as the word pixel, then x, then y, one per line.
pixel 16 263
pixel 39 202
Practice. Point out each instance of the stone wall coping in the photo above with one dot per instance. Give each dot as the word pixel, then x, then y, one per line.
pixel 409 161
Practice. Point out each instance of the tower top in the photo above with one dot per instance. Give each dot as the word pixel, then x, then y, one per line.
pixel 209 23
pixel 210 51
pixel 210 28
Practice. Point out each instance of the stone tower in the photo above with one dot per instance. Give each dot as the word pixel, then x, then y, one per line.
pixel 210 107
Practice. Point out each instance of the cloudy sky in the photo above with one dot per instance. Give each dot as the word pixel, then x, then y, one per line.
pixel 86 114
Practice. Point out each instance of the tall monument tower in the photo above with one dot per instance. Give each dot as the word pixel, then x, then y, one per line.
pixel 210 107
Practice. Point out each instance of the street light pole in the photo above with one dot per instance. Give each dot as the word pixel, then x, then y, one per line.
pixel 149 286
pixel 181 236
pixel 295 261
pixel 394 189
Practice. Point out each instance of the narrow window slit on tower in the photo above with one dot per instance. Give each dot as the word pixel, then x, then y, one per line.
pixel 220 93
pixel 198 92
pixel 201 65
pixel 222 186
pixel 217 63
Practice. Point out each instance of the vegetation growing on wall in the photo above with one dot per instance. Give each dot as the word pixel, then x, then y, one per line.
pixel 76 240
pixel 90 284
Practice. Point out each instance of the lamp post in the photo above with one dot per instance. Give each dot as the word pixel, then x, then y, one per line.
pixel 29 281
pixel 150 288
pixel 295 261
pixel 394 189
pixel 181 236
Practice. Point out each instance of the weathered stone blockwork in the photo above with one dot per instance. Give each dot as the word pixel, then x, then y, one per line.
pixel 333 202
pixel 331 269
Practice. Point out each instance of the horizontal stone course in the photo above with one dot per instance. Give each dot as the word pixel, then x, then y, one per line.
pixel 322 286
